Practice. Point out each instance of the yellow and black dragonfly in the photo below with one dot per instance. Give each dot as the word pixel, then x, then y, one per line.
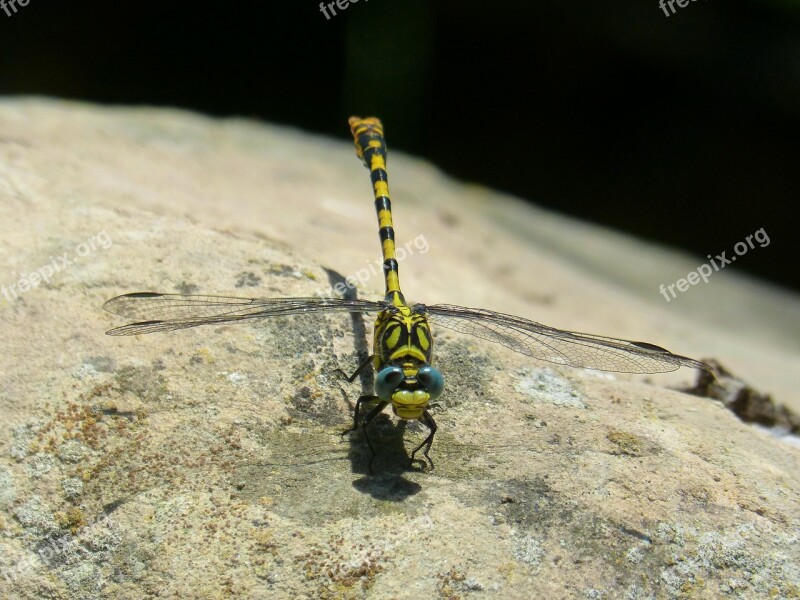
pixel 403 341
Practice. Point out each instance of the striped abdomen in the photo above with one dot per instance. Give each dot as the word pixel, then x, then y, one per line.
pixel 371 147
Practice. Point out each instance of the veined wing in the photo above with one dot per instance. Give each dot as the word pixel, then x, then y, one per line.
pixel 558 346
pixel 168 312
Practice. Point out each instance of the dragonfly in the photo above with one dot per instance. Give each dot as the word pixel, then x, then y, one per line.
pixel 402 357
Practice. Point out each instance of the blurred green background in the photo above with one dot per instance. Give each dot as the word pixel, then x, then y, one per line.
pixel 681 129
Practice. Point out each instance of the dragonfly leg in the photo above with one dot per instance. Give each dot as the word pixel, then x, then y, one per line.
pixel 361 367
pixel 428 421
pixel 357 412
pixel 371 415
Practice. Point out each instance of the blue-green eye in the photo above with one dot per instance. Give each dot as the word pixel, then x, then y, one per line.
pixel 432 380
pixel 387 380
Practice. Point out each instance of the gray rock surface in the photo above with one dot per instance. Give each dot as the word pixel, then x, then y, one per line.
pixel 207 463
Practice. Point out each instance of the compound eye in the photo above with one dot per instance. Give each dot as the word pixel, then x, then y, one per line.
pixel 387 380
pixel 432 380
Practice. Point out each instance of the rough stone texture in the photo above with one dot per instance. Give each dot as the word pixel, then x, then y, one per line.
pixel 207 463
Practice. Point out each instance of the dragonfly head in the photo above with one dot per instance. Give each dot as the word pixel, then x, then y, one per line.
pixel 409 390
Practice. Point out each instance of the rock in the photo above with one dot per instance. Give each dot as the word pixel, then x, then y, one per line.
pixel 209 463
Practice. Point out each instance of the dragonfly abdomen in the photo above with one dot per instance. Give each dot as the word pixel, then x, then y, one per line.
pixel 371 147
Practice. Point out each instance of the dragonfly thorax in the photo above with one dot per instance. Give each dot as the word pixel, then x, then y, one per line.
pixel 402 334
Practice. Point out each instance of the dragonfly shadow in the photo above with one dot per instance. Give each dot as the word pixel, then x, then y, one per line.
pixel 385 479
pixel 387 486
pixel 360 341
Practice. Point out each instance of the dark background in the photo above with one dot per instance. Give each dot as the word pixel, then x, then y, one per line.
pixel 680 129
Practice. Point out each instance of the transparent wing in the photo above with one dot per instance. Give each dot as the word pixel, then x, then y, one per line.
pixel 558 346
pixel 168 312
